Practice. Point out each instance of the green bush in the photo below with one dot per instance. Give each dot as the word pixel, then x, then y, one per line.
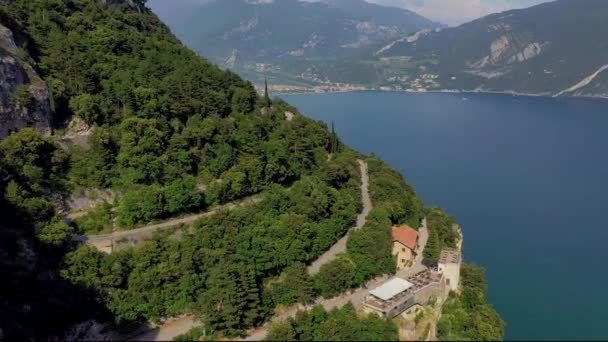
pixel 97 220
pixel 24 97
pixel 182 195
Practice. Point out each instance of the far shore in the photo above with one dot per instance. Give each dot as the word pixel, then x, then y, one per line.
pixel 441 91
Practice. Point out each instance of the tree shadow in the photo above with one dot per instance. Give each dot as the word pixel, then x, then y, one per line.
pixel 36 303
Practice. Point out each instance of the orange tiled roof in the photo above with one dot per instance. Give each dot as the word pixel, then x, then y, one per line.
pixel 406 235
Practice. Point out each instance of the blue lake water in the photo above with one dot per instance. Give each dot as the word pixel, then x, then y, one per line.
pixel 527 178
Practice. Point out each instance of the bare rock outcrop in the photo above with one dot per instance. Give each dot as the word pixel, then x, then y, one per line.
pixel 24 97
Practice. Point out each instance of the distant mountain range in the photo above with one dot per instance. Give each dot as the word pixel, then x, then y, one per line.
pixel 556 48
pixel 288 39
pixel 553 48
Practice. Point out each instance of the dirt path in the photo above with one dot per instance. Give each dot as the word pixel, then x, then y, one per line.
pixel 105 240
pixel 340 245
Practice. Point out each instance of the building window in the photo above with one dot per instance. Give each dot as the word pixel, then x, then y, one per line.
pixel 403 260
pixel 403 249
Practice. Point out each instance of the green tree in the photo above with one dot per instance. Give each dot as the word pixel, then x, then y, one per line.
pixel 24 97
pixel 335 276
pixel 182 195
pixel 87 107
pixel 56 233
pixel 141 204
pixel 294 286
pixel 243 101
pixel 281 331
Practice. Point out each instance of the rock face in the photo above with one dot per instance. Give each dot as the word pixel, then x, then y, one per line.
pixel 24 97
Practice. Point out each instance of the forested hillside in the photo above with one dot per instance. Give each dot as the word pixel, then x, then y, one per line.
pixel 171 134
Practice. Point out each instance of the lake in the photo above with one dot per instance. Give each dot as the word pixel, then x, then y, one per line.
pixel 527 178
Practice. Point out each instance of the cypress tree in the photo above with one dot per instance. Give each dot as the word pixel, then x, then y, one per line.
pixel 266 95
pixel 433 246
pixel 334 139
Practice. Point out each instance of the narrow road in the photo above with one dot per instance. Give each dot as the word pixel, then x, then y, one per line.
pixel 183 324
pixel 340 245
pixel 355 296
pixel 147 232
pixel 169 330
pixel 585 82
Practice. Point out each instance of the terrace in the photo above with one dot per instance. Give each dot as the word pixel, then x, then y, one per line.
pixel 449 256
pixel 397 295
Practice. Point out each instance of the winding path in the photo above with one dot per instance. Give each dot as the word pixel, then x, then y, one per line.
pixel 355 296
pixel 340 245
pixel 105 242
pixel 185 323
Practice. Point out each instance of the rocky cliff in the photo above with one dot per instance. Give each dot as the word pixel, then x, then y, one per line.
pixel 24 97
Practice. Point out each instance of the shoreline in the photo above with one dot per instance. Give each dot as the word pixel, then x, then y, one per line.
pixel 443 91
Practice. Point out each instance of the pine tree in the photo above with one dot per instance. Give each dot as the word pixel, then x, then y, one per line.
pixel 251 294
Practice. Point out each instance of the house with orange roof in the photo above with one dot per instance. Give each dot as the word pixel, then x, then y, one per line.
pixel 405 245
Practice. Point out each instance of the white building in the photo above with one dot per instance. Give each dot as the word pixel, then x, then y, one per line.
pixel 449 266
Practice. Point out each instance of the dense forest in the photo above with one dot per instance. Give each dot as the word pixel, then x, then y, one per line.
pixel 173 134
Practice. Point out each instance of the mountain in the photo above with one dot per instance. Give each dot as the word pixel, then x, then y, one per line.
pixel 288 39
pixel 549 49
pixel 173 138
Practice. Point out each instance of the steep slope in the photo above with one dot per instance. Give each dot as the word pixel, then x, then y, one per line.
pixel 544 50
pixel 172 134
pixel 253 38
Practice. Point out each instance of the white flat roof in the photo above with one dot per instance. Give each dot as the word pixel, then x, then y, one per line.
pixel 391 288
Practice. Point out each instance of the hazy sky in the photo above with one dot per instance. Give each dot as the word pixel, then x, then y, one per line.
pixel 450 12
pixel 454 12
